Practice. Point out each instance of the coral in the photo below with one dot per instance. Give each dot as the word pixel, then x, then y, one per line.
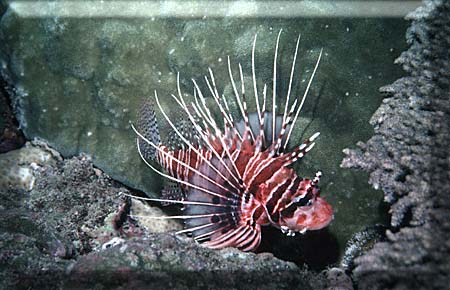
pixel 408 159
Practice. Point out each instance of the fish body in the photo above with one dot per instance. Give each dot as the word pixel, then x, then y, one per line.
pixel 236 178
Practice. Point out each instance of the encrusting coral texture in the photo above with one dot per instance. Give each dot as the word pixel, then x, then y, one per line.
pixel 408 159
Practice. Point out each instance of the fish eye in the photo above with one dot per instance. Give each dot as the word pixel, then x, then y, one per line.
pixel 305 200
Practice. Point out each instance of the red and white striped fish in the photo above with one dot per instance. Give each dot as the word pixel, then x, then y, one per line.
pixel 237 178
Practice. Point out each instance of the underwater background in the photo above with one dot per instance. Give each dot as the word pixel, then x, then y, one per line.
pixel 74 76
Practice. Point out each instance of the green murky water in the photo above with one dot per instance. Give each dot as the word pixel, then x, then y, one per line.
pixel 80 80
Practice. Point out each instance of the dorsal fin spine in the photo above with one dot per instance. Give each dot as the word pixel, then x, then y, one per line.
pixel 204 111
pixel 291 79
pixel 219 135
pixel 188 143
pixel 248 130
pixel 255 89
pixel 213 149
pixel 228 120
pixel 274 89
pixel 284 126
pixel 300 151
pixel 233 84
pixel 303 99
pixel 206 137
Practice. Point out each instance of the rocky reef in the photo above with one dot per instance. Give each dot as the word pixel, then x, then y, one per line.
pixel 72 230
pixel 408 159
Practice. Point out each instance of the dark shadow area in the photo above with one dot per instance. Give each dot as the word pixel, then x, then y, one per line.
pixel 383 210
pixel 314 110
pixel 10 136
pixel 318 249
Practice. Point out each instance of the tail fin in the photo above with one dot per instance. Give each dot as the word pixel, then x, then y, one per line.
pixel 148 127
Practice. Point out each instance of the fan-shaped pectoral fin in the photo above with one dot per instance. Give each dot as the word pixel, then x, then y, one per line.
pixel 244 237
pixel 251 242
pixel 227 239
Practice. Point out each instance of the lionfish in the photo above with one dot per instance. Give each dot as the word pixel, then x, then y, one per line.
pixel 237 178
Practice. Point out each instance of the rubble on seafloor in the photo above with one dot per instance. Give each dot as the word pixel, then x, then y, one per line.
pixel 72 229
pixel 408 159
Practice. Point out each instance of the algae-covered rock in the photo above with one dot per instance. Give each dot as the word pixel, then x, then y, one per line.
pixel 17 167
pixel 78 82
pixel 73 231
pixel 62 216
pixel 162 261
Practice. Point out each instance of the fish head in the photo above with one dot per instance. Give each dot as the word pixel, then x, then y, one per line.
pixel 307 211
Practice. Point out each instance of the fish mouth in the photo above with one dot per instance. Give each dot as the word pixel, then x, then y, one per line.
pixel 323 214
